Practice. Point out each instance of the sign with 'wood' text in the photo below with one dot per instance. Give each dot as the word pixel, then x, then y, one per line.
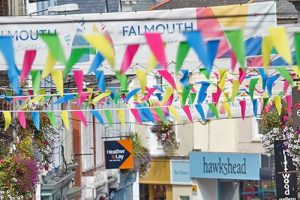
pixel 118 154
pixel 225 165
pixel 286 182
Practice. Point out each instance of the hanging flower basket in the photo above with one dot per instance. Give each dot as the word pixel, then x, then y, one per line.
pixel 166 136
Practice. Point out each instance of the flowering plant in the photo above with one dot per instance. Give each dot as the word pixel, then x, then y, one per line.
pixel 166 136
pixel 23 155
pixel 141 156
pixel 18 177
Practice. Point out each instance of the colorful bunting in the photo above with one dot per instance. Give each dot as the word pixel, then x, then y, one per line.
pixel 136 115
pixel 54 46
pixel 7 119
pixel 227 108
pixel 36 119
pixel 52 119
pixel 266 49
pixel 97 115
pixel 201 112
pixel 22 120
pixel 277 101
pixel 252 84
pixel 50 62
pixel 243 108
pixel 279 39
pixel 98 59
pixel 156 45
pixel 36 80
pixel 76 54
pixel 182 52
pixel 128 57
pixel 254 107
pixel 214 109
pixel 121 115
pixel 81 117
pixel 236 40
pixel 187 111
pixel 142 77
pixel 168 77
pixel 103 45
pixel 57 77
pixel 65 119
pixel 27 64
pixel 109 117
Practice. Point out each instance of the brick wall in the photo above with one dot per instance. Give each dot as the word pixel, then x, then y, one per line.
pixel 4 7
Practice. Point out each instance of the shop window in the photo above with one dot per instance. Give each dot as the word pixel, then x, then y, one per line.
pixel 159 192
pixel 184 198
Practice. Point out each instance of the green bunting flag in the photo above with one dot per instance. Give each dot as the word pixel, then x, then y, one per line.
pixel 252 84
pixel 297 47
pixel 54 46
pixel 236 40
pixel 285 74
pixel 75 56
pixel 161 115
pixel 204 72
pixel 36 80
pixel 192 98
pixel 109 117
pixel 214 109
pixel 265 102
pixel 52 119
pixel 123 81
pixel 185 94
pixel 182 52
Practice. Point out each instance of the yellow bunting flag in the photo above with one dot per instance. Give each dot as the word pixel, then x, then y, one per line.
pixel 152 63
pixel 7 117
pixel 101 96
pixel 57 77
pixel 50 63
pixel 142 77
pixel 223 75
pixel 226 95
pixel 235 89
pixel 90 90
pixel 37 99
pixel 65 118
pixel 121 115
pixel 167 94
pixel 266 51
pixel 280 41
pixel 103 45
pixel 277 101
pixel 174 113
pixel 227 108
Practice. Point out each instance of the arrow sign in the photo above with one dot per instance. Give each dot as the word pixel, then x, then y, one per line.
pixel 118 154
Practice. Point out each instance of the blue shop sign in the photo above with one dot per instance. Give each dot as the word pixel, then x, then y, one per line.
pixel 180 172
pixel 225 165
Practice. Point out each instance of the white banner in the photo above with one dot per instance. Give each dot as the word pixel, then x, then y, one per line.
pixel 128 27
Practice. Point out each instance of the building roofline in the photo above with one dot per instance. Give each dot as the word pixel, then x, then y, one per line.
pixel 159 4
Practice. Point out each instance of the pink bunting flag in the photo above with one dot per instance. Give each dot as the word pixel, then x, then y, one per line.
pixel 27 64
pixel 242 75
pixel 216 95
pixel 81 117
pixel 170 100
pixel 136 115
pixel 166 75
pixel 285 86
pixel 150 91
pixel 82 97
pixel 243 108
pixel 288 100
pixel 233 60
pixel 128 57
pixel 22 120
pixel 155 115
pixel 156 45
pixel 187 111
pixel 78 78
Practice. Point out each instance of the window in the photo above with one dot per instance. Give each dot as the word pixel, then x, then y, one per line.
pixel 184 198
pixel 256 136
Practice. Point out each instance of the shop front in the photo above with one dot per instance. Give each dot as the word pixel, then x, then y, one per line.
pixel 156 185
pixel 226 175
pixel 181 179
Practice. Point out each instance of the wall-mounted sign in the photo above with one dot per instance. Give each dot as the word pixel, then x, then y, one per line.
pixel 296 106
pixel 118 154
pixel 180 172
pixel 286 183
pixel 225 165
